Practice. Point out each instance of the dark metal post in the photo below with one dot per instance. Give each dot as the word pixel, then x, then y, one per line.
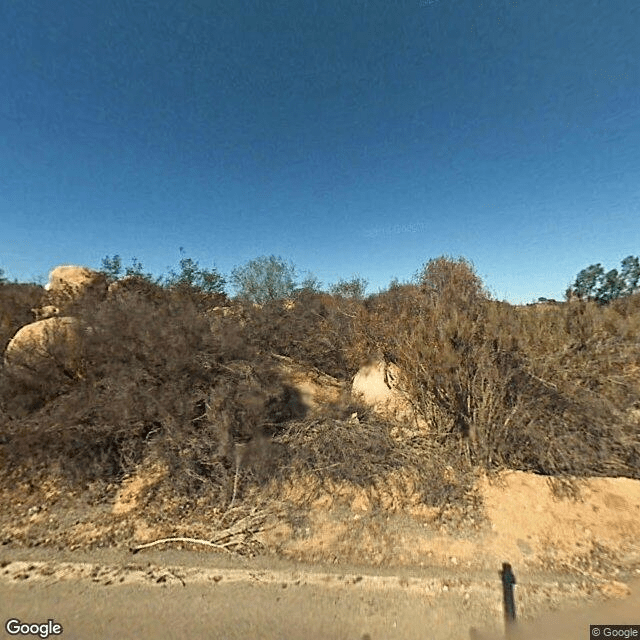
pixel 508 580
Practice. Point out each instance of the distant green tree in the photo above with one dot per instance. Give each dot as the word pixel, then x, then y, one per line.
pixel 611 287
pixel 310 284
pixel 2 278
pixel 193 276
pixel 630 274
pixel 587 282
pixel 136 270
pixel 593 283
pixel 264 279
pixel 112 267
pixel 354 288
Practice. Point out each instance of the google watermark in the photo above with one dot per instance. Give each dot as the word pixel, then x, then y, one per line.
pixel 614 631
pixel 15 627
pixel 396 229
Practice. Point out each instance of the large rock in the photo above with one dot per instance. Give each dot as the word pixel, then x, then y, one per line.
pixel 377 385
pixel 68 282
pixel 46 311
pixel 44 346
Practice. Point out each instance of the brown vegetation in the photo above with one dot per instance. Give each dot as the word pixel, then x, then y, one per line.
pixel 166 381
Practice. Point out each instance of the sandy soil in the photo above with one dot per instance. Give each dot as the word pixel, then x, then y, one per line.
pixel 195 595
pixel 345 573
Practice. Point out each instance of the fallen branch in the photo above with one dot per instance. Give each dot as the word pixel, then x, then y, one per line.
pixel 236 534
pixel 163 540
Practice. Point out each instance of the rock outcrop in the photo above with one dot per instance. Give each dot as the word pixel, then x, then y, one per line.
pixel 45 345
pixel 377 385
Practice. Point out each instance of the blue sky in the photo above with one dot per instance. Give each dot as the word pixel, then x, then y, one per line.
pixel 350 137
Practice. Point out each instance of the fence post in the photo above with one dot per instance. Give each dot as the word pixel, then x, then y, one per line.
pixel 508 580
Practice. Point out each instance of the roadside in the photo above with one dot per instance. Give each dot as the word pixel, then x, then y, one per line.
pixel 112 594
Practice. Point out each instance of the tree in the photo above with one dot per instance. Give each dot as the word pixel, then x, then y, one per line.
pixel 2 278
pixel 135 270
pixel 310 284
pixel 112 267
pixel 593 283
pixel 630 274
pixel 587 282
pixel 264 279
pixel 611 287
pixel 193 276
pixel 353 288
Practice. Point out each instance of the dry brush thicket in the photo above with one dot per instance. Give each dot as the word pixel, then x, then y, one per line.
pixel 164 379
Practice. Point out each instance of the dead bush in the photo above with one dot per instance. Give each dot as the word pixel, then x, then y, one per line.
pixel 543 389
pixel 16 304
pixel 314 332
pixel 532 389
pixel 366 454
pixel 157 382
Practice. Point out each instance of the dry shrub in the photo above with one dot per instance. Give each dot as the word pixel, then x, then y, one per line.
pixel 369 455
pixel 157 383
pixel 202 301
pixel 538 389
pixel 628 307
pixel 580 360
pixel 315 332
pixel 16 304
pixel 343 451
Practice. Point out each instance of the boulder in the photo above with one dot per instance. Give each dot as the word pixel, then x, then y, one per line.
pixel 377 385
pixel 68 282
pixel 41 345
pixel 47 311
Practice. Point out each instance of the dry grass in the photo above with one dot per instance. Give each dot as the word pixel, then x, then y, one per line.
pixel 16 302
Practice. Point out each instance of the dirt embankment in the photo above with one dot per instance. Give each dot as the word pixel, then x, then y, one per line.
pixel 574 557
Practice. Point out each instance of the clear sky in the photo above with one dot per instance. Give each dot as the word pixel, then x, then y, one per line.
pixel 350 137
